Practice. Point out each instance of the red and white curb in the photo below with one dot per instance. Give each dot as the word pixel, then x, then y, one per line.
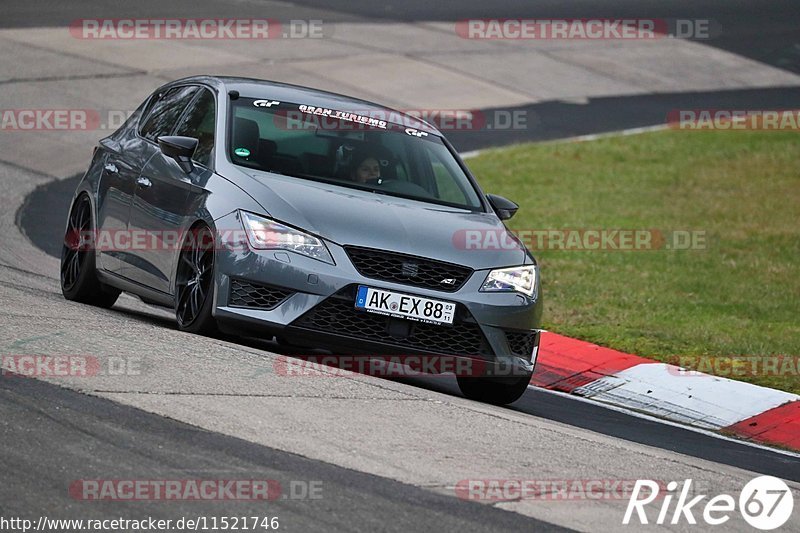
pixel 666 391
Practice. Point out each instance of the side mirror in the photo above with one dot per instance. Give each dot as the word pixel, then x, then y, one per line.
pixel 504 207
pixel 181 149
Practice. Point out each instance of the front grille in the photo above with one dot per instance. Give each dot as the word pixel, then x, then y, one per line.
pixel 252 296
pixel 521 342
pixel 337 315
pixel 408 269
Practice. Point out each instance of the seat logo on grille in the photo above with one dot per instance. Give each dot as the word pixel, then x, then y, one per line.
pixel 448 281
pixel 409 270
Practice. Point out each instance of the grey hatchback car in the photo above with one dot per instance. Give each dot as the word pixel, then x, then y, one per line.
pixel 271 210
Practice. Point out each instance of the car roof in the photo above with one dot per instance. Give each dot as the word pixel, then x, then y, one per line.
pixel 286 92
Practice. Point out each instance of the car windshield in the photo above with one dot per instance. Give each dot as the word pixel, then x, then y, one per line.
pixel 354 149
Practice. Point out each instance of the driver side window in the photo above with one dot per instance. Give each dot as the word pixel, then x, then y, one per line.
pixel 198 122
pixel 165 112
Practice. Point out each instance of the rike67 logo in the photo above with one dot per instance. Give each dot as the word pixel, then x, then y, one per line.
pixel 766 503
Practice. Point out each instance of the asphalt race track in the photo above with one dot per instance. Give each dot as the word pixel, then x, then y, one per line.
pixel 387 455
pixel 40 221
pixel 765 31
pixel 98 437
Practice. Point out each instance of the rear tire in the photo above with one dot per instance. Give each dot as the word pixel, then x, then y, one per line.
pixel 79 281
pixel 194 285
pixel 498 391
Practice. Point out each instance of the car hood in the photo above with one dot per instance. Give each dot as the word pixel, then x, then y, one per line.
pixel 361 218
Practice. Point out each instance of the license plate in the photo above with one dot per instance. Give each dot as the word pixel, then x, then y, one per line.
pixel 406 306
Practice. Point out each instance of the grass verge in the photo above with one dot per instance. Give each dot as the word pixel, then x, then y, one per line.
pixel 703 307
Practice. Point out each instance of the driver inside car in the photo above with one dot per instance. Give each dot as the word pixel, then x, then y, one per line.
pixel 367 164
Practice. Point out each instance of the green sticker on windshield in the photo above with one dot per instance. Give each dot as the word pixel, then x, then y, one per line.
pixel 242 152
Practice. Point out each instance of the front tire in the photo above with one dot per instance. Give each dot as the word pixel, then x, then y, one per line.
pixel 79 281
pixel 497 391
pixel 194 285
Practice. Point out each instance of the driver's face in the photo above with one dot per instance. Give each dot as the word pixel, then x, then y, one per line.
pixel 369 169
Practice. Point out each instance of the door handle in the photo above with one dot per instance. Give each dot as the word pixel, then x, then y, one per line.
pixel 143 182
pixel 111 167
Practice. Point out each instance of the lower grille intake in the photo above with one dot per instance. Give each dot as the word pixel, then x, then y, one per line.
pixel 521 342
pixel 253 296
pixel 337 315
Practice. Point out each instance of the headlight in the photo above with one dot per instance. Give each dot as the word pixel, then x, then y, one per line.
pixel 516 279
pixel 266 234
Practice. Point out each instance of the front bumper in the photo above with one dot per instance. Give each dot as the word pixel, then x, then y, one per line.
pixel 311 303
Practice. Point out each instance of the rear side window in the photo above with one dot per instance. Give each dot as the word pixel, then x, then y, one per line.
pixel 198 122
pixel 165 112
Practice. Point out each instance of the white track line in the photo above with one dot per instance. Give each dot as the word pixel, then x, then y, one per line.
pixel 667 422
pixel 605 135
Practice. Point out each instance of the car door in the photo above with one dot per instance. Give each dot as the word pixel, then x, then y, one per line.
pixel 160 119
pixel 125 154
pixel 166 197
